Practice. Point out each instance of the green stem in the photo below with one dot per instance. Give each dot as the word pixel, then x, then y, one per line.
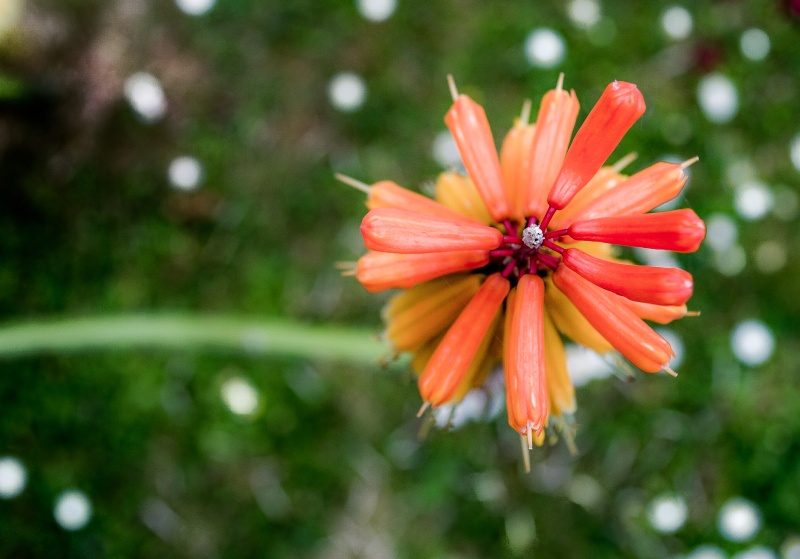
pixel 190 332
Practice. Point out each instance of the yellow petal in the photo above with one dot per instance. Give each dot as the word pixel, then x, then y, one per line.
pixel 569 320
pixel 459 194
pixel 559 386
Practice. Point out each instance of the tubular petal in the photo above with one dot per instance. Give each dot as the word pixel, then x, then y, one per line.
pixel 620 105
pixel 481 364
pixel 677 230
pixel 515 163
pixel 387 194
pixel 401 231
pixel 605 179
pixel 526 382
pixel 470 128
pixel 639 193
pixel 378 271
pixel 628 333
pixel 458 193
pixel 661 314
pixel 648 284
pixel 569 320
pixel 417 315
pixel 452 358
pixel 554 126
pixel 560 390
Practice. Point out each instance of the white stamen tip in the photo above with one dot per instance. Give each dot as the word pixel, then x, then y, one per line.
pixel 533 237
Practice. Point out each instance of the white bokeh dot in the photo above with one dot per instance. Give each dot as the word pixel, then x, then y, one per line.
pixel 545 48
pixel 755 44
pixel 794 151
pixel 752 342
pixel 584 13
pixel 791 548
pixel 584 365
pixel 667 513
pixel 721 232
pixel 13 477
pixel 195 7
pixel 445 150
pixel 185 173
pixel 240 396
pixel 753 200
pixel 677 22
pixel 718 98
pixel 347 91
pixel 731 261
pixel 72 510
pixel 756 552
pixel 376 10
pixel 707 551
pixel 146 97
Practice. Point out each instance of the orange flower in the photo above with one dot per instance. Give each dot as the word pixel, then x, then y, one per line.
pixel 517 254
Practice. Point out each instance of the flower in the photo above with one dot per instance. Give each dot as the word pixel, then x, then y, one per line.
pixel 507 260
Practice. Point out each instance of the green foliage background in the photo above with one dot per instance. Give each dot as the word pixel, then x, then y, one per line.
pixel 330 465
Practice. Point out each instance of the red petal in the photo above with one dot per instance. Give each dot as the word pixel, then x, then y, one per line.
pixel 452 358
pixel 678 230
pixel 620 105
pixel 470 128
pixel 648 284
pixel 401 231
pixel 378 271
pixel 628 333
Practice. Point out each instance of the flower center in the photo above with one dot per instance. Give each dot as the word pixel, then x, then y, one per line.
pixel 532 253
pixel 533 237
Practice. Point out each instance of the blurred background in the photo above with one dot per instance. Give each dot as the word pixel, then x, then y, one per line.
pixel 178 156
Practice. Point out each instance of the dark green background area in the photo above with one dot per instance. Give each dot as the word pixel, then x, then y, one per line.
pixel 331 466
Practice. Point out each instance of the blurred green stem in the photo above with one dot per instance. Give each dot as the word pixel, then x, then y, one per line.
pixel 189 332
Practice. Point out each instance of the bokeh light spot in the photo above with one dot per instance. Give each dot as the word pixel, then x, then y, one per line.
pixel 677 22
pixel 770 256
pixel 240 396
pixel 13 477
pixel 185 173
pixel 794 151
pixel 146 97
pixel 718 98
pixel 376 10
pixel 667 513
pixel 752 343
pixel 195 7
pixel 584 13
pixel 72 510
pixel 445 150
pixel 755 44
pixel 347 91
pixel 545 48
pixel 753 200
pixel 721 232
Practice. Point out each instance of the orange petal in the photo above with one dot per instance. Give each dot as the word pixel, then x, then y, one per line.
pixel 662 314
pixel 378 271
pixel 421 313
pixel 387 194
pixel 470 128
pixel 628 333
pixel 458 193
pixel 648 284
pixel 677 230
pixel 452 358
pixel 620 105
pixel 554 126
pixel 604 180
pixel 515 159
pixel 639 193
pixel 400 231
pixel 526 382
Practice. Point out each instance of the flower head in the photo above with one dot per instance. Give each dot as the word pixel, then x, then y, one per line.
pixel 517 254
